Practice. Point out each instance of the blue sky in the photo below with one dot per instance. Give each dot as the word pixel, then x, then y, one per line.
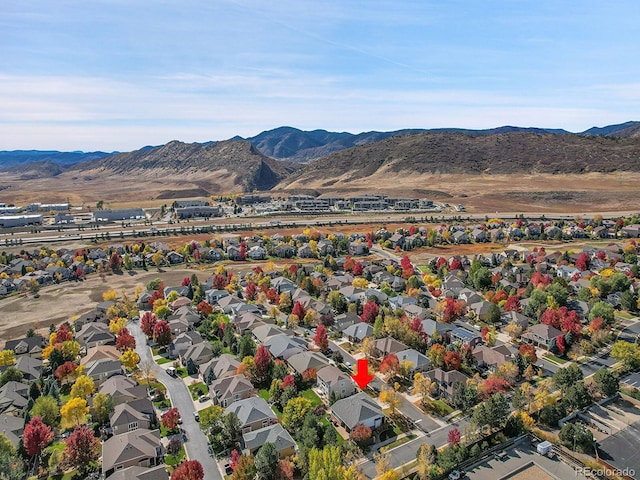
pixel 121 74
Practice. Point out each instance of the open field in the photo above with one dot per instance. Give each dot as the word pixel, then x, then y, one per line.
pixel 58 303
pixel 602 192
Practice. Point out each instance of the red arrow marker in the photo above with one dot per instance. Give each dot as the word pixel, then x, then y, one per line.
pixel 362 377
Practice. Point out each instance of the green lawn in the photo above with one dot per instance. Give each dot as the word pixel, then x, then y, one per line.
pixel 66 476
pixel 163 360
pixel 439 407
pixel 554 359
pixel 182 372
pixel 325 421
pixel 310 395
pixel 400 441
pixel 264 394
pixel 626 315
pixel 174 459
pixel 198 390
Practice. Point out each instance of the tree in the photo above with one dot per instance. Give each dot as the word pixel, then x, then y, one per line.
pixel 37 435
pixel 452 360
pixel 188 470
pixel 326 464
pixel 81 449
pixel 370 311
pixel 103 405
pixel 83 387
pixel 130 359
pixel 204 308
pixel 493 384
pixel 46 407
pixel 231 430
pixel 528 352
pixel 389 475
pixel 294 412
pixel 147 323
pixel 74 412
pixel 426 458
pixel 390 366
pixel 245 469
pixel 390 397
pixel 512 304
pixel 436 355
pixel 162 333
pixel 7 357
pixel 627 353
pixel 266 461
pixel 170 419
pixel 125 341
pixel 320 338
pixel 423 385
pixel 454 437
pixel 607 382
pixel 602 310
pixel 563 378
pixel 298 310
pixel 493 412
pixel 577 396
pixel 262 364
pixel 361 434
pixel 576 437
pixel 65 372
pixel 246 346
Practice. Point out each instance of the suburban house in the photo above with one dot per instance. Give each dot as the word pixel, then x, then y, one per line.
pixel 541 335
pixel 95 334
pixel 464 336
pixel 30 367
pixel 182 342
pixel 276 434
pixel 385 346
pixel 12 427
pixel 14 397
pixel 102 369
pixel 357 409
pixel 227 390
pixel 222 366
pixel 357 332
pixel 100 352
pixel 254 413
pixel 199 353
pixel 332 380
pixel 127 417
pixel 283 346
pixel 446 381
pixel 31 346
pixel 419 361
pixel 345 320
pixel 158 472
pixel 136 448
pixel 303 361
pixel 123 389
pixel 432 328
pixel 490 358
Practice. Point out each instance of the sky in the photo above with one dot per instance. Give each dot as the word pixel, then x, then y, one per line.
pixel 116 75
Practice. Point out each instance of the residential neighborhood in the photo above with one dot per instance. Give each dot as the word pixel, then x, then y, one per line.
pixel 250 364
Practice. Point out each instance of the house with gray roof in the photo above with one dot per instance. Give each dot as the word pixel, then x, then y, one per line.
pixel 446 381
pixel 305 360
pixel 345 320
pixel 283 346
pixel 200 353
pixel 358 409
pixel 465 337
pixel 12 427
pixel 433 328
pixel 276 434
pixel 254 413
pixel 333 381
pixel 262 332
pixel 14 397
pixel 227 390
pixel 358 332
pixel 123 389
pixel 159 472
pixel 95 334
pixel 30 367
pixel 31 346
pixel 100 370
pixel 140 448
pixel 419 361
pixel 385 346
pixel 222 366
pixel 541 335
pixel 490 358
pixel 127 417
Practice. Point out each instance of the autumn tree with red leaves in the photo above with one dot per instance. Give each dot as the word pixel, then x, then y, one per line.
pixel 162 333
pixel 63 334
pixel 349 263
pixel 454 437
pixel 452 309
pixel 188 470
pixel 361 434
pixel 147 322
pixel 251 291
pixel 82 448
pixel 370 311
pixel 125 341
pixel 170 419
pixel 298 310
pixel 452 360
pixel 204 308
pixel 455 265
pixel 528 352
pixel 369 241
pixel 358 268
pixel 242 254
pixel 390 365
pixel 262 364
pixel 186 281
pixel 540 279
pixel 36 437
pixel 219 282
pixel 492 385
pixel 583 262
pixel 512 304
pixel 65 371
pixel 321 339
pixel 288 381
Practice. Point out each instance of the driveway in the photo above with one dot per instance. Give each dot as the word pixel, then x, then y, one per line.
pixel 197 443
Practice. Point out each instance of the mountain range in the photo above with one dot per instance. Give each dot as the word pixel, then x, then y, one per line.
pixel 288 143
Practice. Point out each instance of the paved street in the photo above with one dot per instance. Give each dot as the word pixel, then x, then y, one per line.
pixel 407 452
pixel 196 445
pixel 423 421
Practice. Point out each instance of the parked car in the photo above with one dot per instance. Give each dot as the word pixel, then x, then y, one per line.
pixel 196 415
pixel 203 398
pixel 455 475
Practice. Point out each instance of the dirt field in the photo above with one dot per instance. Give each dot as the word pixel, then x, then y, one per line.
pixel 58 303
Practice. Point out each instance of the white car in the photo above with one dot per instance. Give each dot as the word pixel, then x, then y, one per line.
pixel 455 475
